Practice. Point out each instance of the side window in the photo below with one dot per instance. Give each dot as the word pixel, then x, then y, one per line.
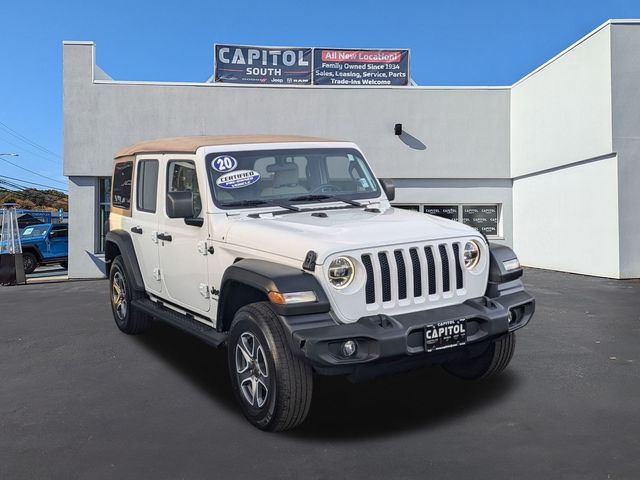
pixel 61 232
pixel 147 185
pixel 181 177
pixel 121 193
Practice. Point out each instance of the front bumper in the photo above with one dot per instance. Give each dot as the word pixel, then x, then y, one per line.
pixel 387 344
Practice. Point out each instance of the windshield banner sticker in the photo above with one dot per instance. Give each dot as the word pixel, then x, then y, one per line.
pixel 224 163
pixel 238 179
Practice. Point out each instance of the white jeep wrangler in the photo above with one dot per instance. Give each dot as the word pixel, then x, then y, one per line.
pixel 287 251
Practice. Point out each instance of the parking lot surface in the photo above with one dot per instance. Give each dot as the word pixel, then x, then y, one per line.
pixel 79 399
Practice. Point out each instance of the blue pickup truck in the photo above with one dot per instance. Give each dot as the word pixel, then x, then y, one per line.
pixel 44 244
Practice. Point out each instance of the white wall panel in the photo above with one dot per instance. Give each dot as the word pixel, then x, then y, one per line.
pixel 567 219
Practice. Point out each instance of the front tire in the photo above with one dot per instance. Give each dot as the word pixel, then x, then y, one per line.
pixel 128 319
pixel 492 362
pixel 272 385
pixel 29 261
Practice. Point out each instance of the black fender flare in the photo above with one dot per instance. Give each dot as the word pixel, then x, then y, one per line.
pixel 35 250
pixel 266 277
pixel 500 280
pixel 123 241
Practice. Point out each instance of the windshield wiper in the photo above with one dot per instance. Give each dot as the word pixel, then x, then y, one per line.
pixel 243 203
pixel 312 197
pixel 255 202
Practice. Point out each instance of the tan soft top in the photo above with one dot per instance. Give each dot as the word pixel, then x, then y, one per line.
pixel 191 144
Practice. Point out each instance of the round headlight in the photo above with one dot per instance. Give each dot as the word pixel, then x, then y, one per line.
pixel 341 272
pixel 471 254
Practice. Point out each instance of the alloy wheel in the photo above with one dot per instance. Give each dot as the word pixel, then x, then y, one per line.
pixel 252 370
pixel 119 295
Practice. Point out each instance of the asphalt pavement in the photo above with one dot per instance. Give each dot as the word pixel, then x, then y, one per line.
pixel 79 399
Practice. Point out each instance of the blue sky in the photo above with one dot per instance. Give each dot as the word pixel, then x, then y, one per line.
pixel 452 43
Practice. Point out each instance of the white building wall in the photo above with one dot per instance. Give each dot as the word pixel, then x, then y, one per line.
pixel 83 262
pixel 561 112
pixel 566 219
pixel 625 65
pixel 565 185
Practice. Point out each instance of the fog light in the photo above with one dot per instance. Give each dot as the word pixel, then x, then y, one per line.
pixel 349 348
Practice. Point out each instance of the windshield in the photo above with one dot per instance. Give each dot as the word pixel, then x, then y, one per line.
pixel 254 178
pixel 34 231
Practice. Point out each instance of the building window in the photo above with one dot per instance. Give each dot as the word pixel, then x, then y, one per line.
pixel 482 217
pixel 104 207
pixel 450 212
pixel 413 208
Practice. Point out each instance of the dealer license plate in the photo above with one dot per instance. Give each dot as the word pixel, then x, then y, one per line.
pixel 439 336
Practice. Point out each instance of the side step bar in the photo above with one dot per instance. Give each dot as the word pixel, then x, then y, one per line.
pixel 186 323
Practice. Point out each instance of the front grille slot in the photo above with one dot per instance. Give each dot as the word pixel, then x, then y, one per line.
pixel 386 276
pixel 370 289
pixel 459 279
pixel 417 273
pixel 446 280
pixel 431 264
pixel 402 275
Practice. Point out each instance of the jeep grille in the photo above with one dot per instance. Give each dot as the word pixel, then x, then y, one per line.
pixel 405 274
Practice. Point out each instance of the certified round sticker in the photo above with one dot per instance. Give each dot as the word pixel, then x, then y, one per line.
pixel 224 163
pixel 238 179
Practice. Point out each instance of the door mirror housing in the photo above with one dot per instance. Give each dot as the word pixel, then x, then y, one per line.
pixel 180 205
pixel 389 188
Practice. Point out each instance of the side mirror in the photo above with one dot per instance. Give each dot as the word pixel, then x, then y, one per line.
pixel 180 205
pixel 389 188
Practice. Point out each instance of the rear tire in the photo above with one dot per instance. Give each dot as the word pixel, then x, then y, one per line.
pixel 30 262
pixel 272 385
pixel 128 319
pixel 492 362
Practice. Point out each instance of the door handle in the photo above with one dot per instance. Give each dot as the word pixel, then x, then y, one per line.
pixel 165 237
pixel 137 230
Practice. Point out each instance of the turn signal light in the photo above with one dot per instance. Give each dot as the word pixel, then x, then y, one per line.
pixel 292 297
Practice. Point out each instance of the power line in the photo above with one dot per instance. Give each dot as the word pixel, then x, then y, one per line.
pixel 26 139
pixel 55 162
pixel 31 171
pixel 34 183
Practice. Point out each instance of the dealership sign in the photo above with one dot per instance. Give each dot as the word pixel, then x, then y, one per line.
pixel 360 67
pixel 246 64
pixel 263 65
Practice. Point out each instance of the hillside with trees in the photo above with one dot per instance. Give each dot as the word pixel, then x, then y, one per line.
pixel 34 199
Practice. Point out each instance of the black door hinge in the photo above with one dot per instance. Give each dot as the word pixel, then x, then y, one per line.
pixel 210 250
pixel 214 291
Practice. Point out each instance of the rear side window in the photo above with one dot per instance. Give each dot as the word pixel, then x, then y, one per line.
pixel 121 191
pixel 147 185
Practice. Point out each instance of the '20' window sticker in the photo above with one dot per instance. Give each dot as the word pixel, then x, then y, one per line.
pixel 224 163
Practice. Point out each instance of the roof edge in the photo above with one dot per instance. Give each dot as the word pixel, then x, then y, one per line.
pixel 190 144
